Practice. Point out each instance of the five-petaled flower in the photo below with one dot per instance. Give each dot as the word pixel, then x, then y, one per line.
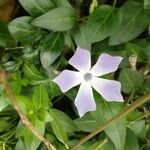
pixel 88 77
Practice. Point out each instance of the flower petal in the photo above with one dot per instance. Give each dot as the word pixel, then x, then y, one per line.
pixel 81 60
pixel 68 79
pixel 84 100
pixel 109 89
pixel 106 64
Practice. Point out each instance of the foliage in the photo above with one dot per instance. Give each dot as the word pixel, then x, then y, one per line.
pixel 37 45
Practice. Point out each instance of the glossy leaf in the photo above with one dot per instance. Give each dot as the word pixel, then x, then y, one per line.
pixel 22 30
pixel 131 141
pixel 66 122
pixel 40 97
pixel 106 110
pixel 130 80
pixel 61 3
pixel 147 4
pixel 36 7
pixel 58 128
pixel 81 38
pixel 32 72
pixel 134 22
pixel 58 19
pixel 31 141
pixel 102 23
pixel 51 49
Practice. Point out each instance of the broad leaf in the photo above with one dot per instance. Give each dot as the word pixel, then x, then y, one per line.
pixel 31 141
pixel 131 141
pixel 61 3
pixel 40 97
pixel 86 123
pixel 130 80
pixel 134 22
pixel 66 122
pixel 36 7
pixel 31 72
pixel 51 49
pixel 5 37
pixel 102 23
pixel 58 19
pixel 147 4
pixel 22 30
pixel 105 111
pixel 81 38
pixel 57 127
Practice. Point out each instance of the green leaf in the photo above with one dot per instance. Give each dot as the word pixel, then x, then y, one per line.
pixel 61 3
pixel 105 111
pixel 57 127
pixel 130 80
pixel 6 39
pixel 24 103
pixel 81 38
pixel 31 72
pixel 58 19
pixel 147 4
pixel 139 128
pixel 86 123
pixel 134 22
pixel 131 141
pixel 102 23
pixel 20 145
pixel 51 49
pixel 31 141
pixel 66 122
pixel 22 30
pixel 40 97
pixel 36 7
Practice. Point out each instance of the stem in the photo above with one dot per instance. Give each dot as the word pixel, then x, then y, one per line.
pixel 13 48
pixel 114 3
pixel 23 118
pixel 119 116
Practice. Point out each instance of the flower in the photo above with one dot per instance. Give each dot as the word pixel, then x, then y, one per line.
pixel 88 77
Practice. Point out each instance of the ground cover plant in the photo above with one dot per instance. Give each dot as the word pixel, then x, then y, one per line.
pixel 74 74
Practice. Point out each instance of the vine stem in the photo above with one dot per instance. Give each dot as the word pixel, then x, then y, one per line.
pixel 23 117
pixel 115 119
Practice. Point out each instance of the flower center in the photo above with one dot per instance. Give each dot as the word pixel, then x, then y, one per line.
pixel 88 77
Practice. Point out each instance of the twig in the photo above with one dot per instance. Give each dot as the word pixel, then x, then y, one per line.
pixel 23 118
pixel 115 119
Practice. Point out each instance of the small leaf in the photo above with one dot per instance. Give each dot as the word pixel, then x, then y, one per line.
pixel 130 80
pixel 58 19
pixel 131 141
pixel 51 49
pixel 102 23
pixel 134 22
pixel 31 72
pixel 40 97
pixel 36 7
pixel 22 30
pixel 57 127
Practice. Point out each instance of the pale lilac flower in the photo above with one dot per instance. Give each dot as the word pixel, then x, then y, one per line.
pixel 88 77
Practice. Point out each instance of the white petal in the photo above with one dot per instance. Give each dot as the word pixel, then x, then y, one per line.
pixel 84 100
pixel 81 60
pixel 106 64
pixel 68 79
pixel 109 89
